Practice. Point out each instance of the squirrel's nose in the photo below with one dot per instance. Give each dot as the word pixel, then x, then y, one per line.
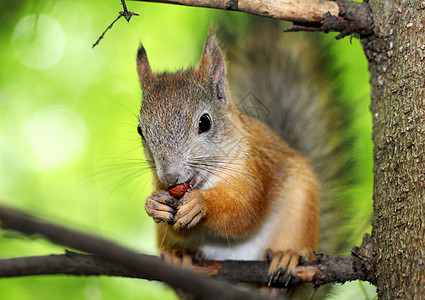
pixel 171 178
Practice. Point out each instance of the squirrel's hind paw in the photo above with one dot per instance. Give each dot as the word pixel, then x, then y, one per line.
pixel 178 258
pixel 282 266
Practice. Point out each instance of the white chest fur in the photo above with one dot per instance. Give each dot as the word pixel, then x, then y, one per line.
pixel 252 248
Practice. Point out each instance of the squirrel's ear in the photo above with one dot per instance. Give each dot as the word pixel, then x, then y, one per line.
pixel 212 63
pixel 143 67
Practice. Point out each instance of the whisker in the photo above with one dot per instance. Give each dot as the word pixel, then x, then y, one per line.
pixel 163 238
pixel 137 148
pixel 226 170
pixel 224 180
pixel 219 160
pixel 127 108
pixel 218 164
pixel 219 173
pixel 127 179
pixel 210 171
pixel 227 239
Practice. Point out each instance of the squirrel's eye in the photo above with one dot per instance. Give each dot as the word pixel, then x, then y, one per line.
pixel 204 123
pixel 139 130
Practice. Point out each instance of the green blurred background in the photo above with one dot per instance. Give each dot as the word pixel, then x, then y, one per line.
pixel 69 149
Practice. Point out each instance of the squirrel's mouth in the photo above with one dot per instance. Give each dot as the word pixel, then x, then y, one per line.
pixel 191 182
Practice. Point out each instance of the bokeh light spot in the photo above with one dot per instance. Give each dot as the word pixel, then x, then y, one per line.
pixel 38 41
pixel 56 134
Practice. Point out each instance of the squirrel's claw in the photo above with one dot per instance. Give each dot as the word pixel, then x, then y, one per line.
pixel 160 207
pixel 190 211
pixel 282 265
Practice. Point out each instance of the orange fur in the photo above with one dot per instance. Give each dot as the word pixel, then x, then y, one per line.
pixel 274 177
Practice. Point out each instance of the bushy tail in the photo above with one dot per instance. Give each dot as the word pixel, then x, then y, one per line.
pixel 282 79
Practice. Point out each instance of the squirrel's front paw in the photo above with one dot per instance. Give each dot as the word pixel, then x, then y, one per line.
pixel 282 266
pixel 161 207
pixel 190 211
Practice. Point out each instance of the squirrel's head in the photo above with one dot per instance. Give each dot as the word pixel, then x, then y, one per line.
pixel 183 120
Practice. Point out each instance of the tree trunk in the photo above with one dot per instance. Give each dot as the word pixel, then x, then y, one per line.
pixel 396 62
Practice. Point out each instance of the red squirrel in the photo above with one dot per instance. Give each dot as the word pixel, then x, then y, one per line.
pixel 250 192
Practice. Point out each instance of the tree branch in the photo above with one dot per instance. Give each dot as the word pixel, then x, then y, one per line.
pixel 324 270
pixel 149 267
pixel 114 260
pixel 342 16
pixel 290 10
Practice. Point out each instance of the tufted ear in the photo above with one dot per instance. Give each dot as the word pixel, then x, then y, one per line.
pixel 212 64
pixel 143 67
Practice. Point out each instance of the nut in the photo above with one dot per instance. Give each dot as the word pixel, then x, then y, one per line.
pixel 178 191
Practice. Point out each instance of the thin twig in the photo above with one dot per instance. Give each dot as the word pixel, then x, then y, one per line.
pixel 104 32
pixel 125 13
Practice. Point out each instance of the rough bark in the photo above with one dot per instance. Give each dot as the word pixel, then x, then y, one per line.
pixel 396 62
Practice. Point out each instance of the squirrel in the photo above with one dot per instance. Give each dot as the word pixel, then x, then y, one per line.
pixel 252 196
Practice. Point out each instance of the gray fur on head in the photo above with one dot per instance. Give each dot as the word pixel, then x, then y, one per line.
pixel 172 106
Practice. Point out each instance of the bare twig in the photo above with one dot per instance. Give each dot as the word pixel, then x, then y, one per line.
pixel 149 267
pixel 125 13
pixel 346 17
